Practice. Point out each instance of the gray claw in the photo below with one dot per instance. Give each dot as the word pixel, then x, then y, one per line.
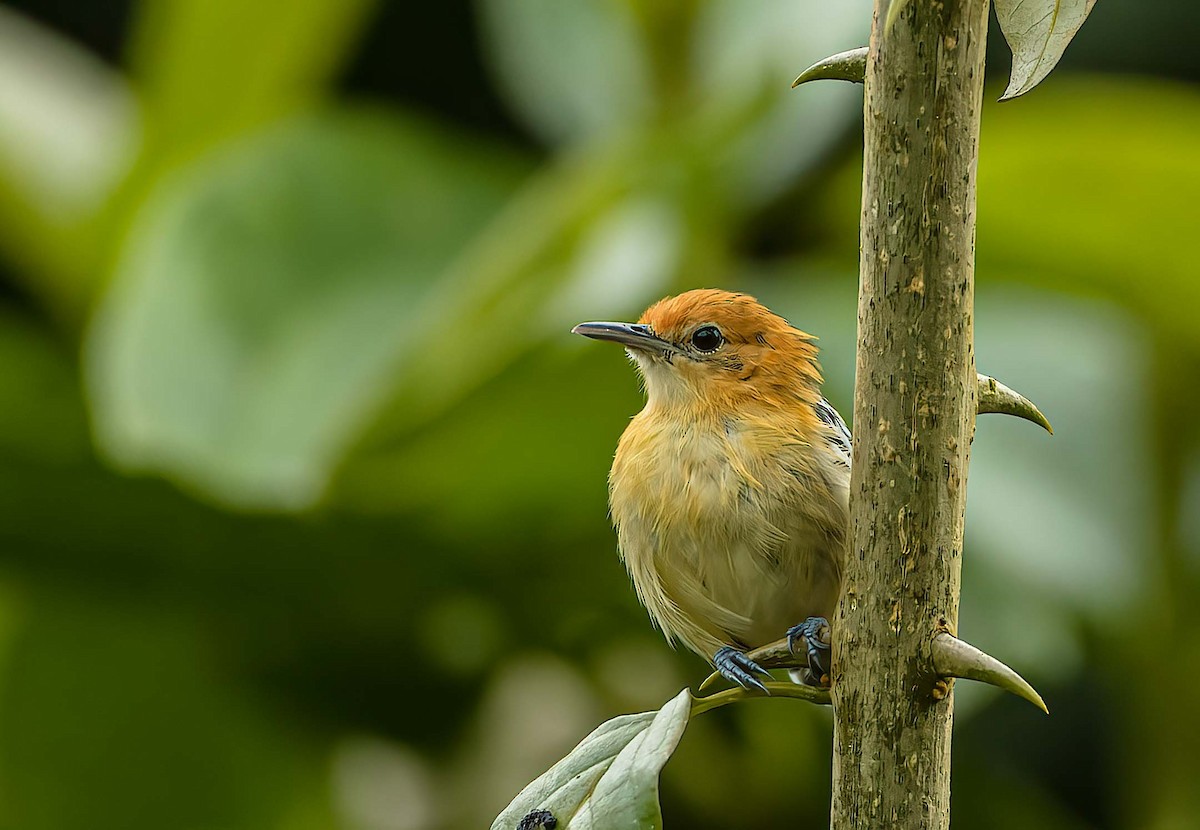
pixel 740 669
pixel 815 646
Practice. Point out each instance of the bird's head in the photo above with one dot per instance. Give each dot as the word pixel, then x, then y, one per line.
pixel 713 347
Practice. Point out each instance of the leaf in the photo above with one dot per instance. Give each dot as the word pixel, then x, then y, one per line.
pixel 1054 175
pixel 744 57
pixel 571 70
pixel 266 297
pixel 209 68
pixel 573 245
pixel 68 135
pixel 610 780
pixel 585 69
pixel 1038 32
pixel 69 122
pixel 1084 520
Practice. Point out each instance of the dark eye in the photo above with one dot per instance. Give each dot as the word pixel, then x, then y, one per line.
pixel 707 339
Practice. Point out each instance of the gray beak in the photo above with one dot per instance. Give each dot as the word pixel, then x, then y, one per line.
pixel 629 335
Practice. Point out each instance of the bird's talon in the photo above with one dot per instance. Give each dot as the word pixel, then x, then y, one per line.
pixel 740 669
pixel 815 633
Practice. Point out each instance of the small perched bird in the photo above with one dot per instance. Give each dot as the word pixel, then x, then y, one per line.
pixel 730 489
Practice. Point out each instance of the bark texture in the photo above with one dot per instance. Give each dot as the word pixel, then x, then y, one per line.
pixel 914 414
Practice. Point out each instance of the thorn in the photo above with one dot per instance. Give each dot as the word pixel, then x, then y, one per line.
pixel 844 66
pixel 994 396
pixel 953 657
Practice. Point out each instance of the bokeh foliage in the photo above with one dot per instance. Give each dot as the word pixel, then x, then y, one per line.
pixel 302 514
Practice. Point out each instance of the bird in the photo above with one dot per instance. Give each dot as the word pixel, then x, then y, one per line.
pixel 729 490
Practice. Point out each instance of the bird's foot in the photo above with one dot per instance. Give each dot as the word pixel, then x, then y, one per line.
pixel 740 669
pixel 815 633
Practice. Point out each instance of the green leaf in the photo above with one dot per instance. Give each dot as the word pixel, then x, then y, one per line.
pixel 713 75
pixel 610 780
pixel 1089 187
pixel 209 68
pixel 1055 177
pixel 744 57
pixel 1038 32
pixel 575 244
pixel 69 122
pixel 68 135
pixel 571 70
pixel 267 296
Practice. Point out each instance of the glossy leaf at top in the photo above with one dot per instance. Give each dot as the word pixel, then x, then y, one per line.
pixel 1038 32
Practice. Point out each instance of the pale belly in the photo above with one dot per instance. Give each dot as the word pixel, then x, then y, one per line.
pixel 724 551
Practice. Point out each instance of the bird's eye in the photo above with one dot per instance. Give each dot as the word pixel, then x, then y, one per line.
pixel 707 339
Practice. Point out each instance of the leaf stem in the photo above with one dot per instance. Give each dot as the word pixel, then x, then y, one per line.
pixel 700 705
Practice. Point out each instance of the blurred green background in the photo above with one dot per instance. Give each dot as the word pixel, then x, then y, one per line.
pixel 302 491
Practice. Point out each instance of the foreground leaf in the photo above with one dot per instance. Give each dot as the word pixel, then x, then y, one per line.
pixel 611 778
pixel 1038 32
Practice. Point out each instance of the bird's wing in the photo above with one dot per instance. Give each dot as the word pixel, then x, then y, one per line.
pixel 838 435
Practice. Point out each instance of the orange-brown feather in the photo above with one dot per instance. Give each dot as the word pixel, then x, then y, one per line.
pixel 730 507
pixel 772 364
